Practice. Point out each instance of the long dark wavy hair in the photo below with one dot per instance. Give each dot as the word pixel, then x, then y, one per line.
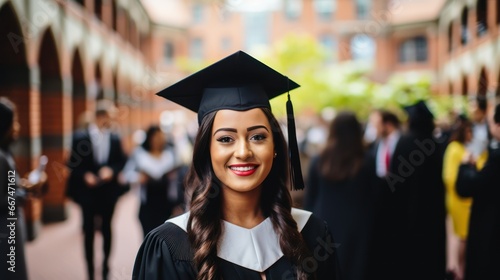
pixel 205 221
pixel 343 154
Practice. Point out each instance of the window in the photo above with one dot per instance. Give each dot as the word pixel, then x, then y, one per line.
pixel 450 37
pixel 465 86
pixel 197 13
pixel 168 52
pixel 413 50
pixel 324 8
pixel 362 8
pixel 482 17
pixel 362 47
pixel 330 46
pixel 257 26
pixel 498 13
pixel 98 9
pixel 464 31
pixel 293 9
pixel 196 49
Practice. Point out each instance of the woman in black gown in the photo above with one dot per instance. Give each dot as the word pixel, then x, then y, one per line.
pixel 339 191
pixel 152 165
pixel 241 224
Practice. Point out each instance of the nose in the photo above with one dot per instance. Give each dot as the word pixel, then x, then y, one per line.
pixel 243 151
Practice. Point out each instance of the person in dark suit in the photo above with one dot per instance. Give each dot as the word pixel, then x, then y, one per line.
pixel 339 192
pixel 483 242
pixel 389 195
pixel 409 199
pixel 95 161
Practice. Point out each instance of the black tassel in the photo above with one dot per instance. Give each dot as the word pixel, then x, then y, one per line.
pixel 296 180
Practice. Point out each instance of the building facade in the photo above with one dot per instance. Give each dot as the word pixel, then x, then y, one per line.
pixel 57 59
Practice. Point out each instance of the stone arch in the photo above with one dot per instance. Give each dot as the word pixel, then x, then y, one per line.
pixel 55 125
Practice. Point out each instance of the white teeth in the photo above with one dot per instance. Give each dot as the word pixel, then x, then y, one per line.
pixel 242 168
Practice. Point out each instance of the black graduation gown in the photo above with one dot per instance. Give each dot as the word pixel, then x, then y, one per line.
pixel 347 207
pixel 483 242
pixel 410 217
pixel 166 254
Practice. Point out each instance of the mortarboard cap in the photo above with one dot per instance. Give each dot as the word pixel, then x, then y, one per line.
pixel 238 82
pixel 419 111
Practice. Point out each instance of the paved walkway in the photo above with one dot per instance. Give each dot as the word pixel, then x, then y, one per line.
pixel 57 252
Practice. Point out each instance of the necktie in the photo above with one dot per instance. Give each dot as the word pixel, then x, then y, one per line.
pixel 387 157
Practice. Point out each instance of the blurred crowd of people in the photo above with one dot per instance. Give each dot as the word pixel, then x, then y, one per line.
pixel 384 187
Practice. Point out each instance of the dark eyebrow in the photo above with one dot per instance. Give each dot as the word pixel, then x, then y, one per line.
pixel 225 129
pixel 257 127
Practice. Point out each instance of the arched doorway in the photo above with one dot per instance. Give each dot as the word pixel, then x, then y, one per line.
pixel 482 17
pixel 15 82
pixel 79 102
pixel 465 86
pixel 99 91
pixel 482 87
pixel 498 89
pixel 55 125
pixel 464 26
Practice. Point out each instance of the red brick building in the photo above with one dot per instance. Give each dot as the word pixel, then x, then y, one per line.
pixel 57 59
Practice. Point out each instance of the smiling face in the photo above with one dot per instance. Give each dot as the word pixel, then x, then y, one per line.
pixel 241 148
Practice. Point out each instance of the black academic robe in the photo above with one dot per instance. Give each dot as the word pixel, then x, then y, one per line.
pixel 166 254
pixel 347 207
pixel 410 217
pixel 483 242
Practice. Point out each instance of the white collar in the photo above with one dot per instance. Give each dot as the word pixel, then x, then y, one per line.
pixel 256 248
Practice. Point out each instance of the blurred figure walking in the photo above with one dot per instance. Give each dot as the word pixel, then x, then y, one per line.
pixel 339 192
pixel 95 161
pixel 153 166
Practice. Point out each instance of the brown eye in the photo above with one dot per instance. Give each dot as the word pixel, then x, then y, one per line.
pixel 224 139
pixel 258 137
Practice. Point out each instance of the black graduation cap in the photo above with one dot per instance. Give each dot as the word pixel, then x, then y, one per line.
pixel 238 82
pixel 419 111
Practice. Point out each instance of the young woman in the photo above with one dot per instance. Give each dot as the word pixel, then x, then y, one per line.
pixel 459 207
pixel 151 166
pixel 339 190
pixel 241 224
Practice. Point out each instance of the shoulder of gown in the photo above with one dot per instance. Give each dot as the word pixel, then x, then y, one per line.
pixel 165 254
pixel 322 247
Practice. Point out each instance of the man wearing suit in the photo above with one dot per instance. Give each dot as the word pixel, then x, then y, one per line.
pixel 95 161
pixel 409 225
pixel 387 191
